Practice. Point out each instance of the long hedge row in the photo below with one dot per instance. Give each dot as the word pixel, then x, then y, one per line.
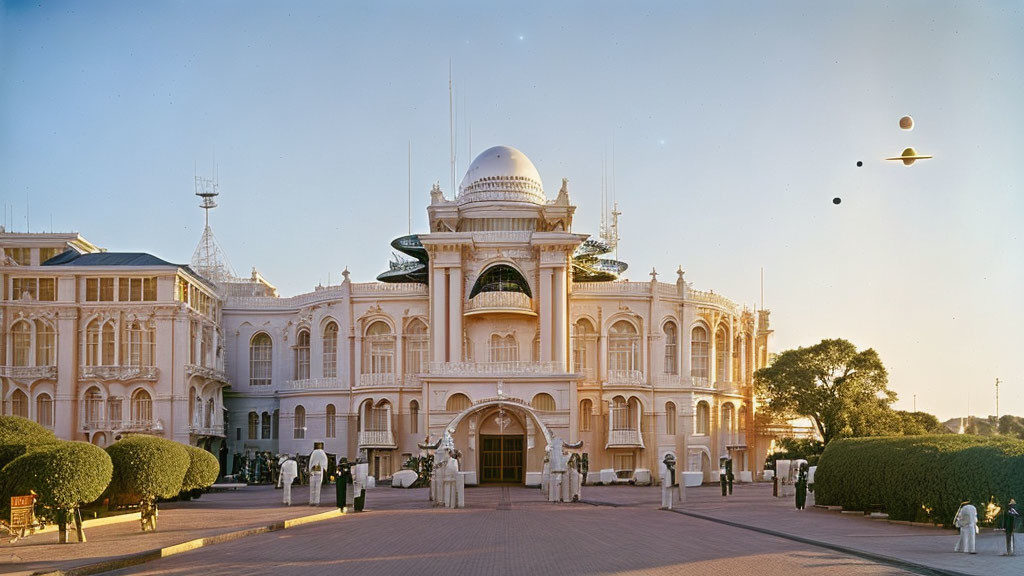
pixel 922 478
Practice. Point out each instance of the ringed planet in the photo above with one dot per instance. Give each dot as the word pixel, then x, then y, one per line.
pixel 909 156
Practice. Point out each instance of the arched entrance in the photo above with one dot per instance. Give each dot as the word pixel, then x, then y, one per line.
pixel 502 441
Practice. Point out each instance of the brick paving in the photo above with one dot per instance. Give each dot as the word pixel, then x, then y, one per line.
pixel 619 530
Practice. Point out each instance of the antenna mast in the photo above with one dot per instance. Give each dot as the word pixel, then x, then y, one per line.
pixel 410 188
pixel 451 128
pixel 208 259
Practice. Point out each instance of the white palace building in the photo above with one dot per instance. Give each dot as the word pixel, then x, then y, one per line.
pixel 504 327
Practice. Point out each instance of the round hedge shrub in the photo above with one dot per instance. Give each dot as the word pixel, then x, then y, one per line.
pixel 64 475
pixel 922 478
pixel 17 434
pixel 203 469
pixel 146 468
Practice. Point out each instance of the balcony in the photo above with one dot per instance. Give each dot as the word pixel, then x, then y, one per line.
pixel 204 372
pixel 495 368
pixel 383 379
pixel 28 372
pixel 207 431
pixel 701 382
pixel 118 372
pixel 499 303
pixel 628 377
pixel 377 439
pixel 136 426
pixel 313 384
pixel 625 439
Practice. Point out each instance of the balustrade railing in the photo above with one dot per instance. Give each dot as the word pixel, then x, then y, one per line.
pixel 625 439
pixel 313 384
pixel 207 430
pixel 612 287
pixel 153 426
pixel 712 299
pixel 206 372
pixel 626 377
pixel 701 382
pixel 382 379
pixel 28 372
pixel 119 372
pixel 377 439
pixel 499 301
pixel 494 368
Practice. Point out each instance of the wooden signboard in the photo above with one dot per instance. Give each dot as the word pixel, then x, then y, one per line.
pixel 23 515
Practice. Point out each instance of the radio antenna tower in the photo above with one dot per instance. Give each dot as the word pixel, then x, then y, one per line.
pixel 208 260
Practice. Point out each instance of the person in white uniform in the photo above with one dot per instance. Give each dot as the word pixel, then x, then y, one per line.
pixel 317 465
pixel 289 470
pixel 967 521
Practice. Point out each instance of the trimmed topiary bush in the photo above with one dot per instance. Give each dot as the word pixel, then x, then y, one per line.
pixel 17 434
pixel 146 468
pixel 65 476
pixel 203 470
pixel 922 478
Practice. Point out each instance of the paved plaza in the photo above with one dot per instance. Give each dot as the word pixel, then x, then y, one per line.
pixel 511 530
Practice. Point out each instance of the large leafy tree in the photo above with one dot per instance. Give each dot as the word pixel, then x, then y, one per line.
pixel 843 391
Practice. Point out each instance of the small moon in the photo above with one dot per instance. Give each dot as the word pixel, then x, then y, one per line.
pixel 837 200
pixel 907 123
pixel 859 163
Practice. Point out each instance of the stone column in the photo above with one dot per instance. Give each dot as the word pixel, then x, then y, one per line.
pixel 561 317
pixel 731 343
pixel 438 322
pixel 455 314
pixel 545 305
pixel 65 416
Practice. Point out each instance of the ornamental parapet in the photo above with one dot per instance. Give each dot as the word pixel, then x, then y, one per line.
pixel 28 372
pixel 500 303
pixel 205 372
pixel 119 372
pixel 494 368
pixel 136 426
pixel 207 431
pixel 623 287
pixel 701 382
pixel 712 299
pixel 631 377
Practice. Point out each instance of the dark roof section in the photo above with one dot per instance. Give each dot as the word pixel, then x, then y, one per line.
pixel 73 258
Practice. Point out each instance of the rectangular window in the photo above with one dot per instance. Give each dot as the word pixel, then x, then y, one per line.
pixel 47 289
pixel 22 288
pixel 22 256
pixel 106 289
pixel 149 289
pixel 122 289
pixel 114 409
pixel 92 289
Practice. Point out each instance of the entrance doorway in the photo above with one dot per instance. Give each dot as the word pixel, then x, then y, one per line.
pixel 501 459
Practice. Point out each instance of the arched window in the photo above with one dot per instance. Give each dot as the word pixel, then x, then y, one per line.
pixel 543 402
pixel 699 355
pixel 457 403
pixel 209 413
pixel 254 424
pixel 46 344
pixel 142 406
pixel 414 417
pixel 500 278
pixel 721 355
pixel 92 343
pixel 93 406
pixel 331 350
pixel 379 349
pixel 330 424
pixel 586 413
pixel 583 333
pixel 727 417
pixel 275 423
pixel 137 345
pixel 503 348
pixel 261 350
pixel 21 339
pixel 108 345
pixel 625 415
pixel 671 348
pixel 265 426
pixel 623 347
pixel 670 418
pixel 302 355
pixel 703 421
pixel 19 404
pixel 299 431
pixel 416 347
pixel 44 410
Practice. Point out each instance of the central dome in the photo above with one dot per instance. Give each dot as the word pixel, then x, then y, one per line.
pixel 501 173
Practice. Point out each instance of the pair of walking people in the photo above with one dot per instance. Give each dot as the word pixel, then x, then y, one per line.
pixel 966 520
pixel 290 470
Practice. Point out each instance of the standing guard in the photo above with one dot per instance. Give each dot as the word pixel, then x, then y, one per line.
pixel 668 481
pixel 362 471
pixel 316 466
pixel 289 470
pixel 343 479
pixel 801 486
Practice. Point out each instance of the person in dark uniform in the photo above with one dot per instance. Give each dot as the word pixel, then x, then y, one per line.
pixel 342 482
pixel 1011 516
pixel 801 486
